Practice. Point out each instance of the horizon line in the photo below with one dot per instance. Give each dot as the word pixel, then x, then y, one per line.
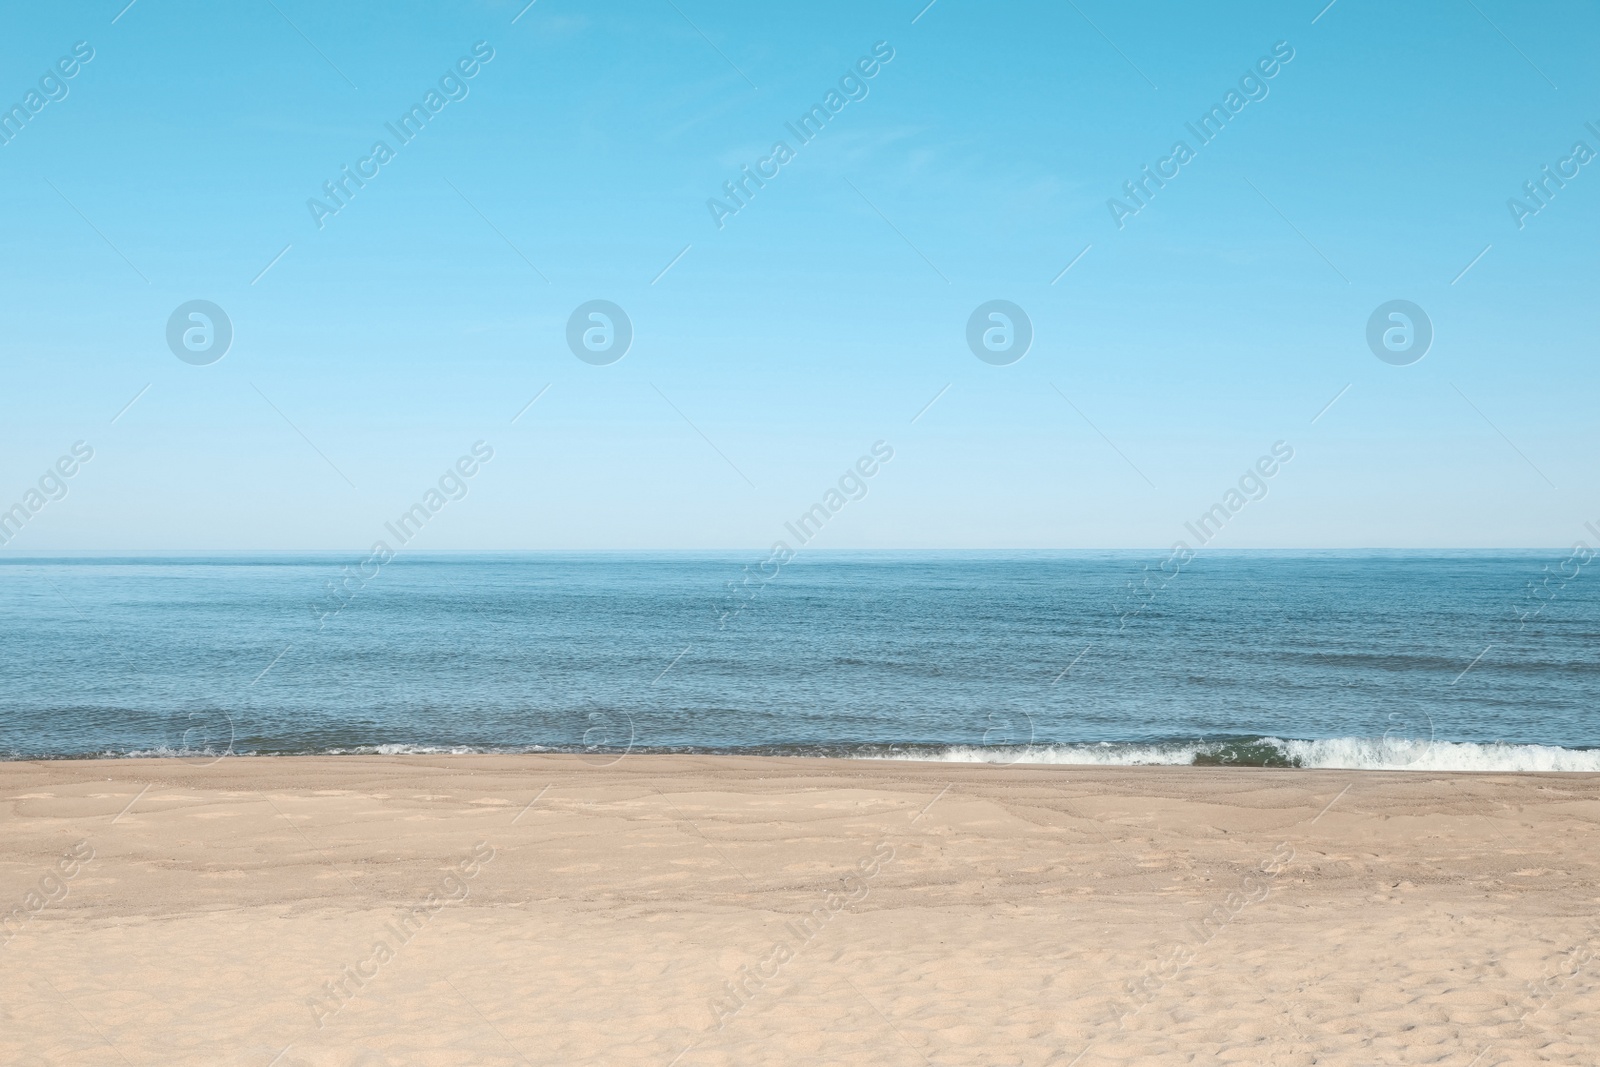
pixel 805 550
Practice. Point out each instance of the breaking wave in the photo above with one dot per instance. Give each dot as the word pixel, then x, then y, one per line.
pixel 1337 753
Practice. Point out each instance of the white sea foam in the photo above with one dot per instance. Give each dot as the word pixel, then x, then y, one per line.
pixel 162 752
pixel 1104 753
pixel 404 750
pixel 1359 753
pixel 1337 753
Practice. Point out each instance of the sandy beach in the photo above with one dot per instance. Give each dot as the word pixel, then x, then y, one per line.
pixel 697 910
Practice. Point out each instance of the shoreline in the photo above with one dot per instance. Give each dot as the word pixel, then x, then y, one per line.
pixel 1059 758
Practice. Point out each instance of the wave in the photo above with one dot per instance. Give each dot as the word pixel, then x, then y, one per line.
pixel 1334 753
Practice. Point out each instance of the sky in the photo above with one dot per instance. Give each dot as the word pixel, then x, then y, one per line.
pixel 984 158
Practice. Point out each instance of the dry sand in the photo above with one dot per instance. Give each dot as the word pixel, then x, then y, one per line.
pixel 872 913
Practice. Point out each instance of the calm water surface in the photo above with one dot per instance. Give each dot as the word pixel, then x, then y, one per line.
pixel 1365 660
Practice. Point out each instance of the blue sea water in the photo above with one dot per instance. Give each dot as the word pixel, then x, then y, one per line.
pixel 1423 661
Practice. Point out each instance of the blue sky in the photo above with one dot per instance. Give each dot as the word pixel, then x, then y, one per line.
pixel 825 314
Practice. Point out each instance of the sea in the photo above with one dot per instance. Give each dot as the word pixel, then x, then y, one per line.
pixel 1485 661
